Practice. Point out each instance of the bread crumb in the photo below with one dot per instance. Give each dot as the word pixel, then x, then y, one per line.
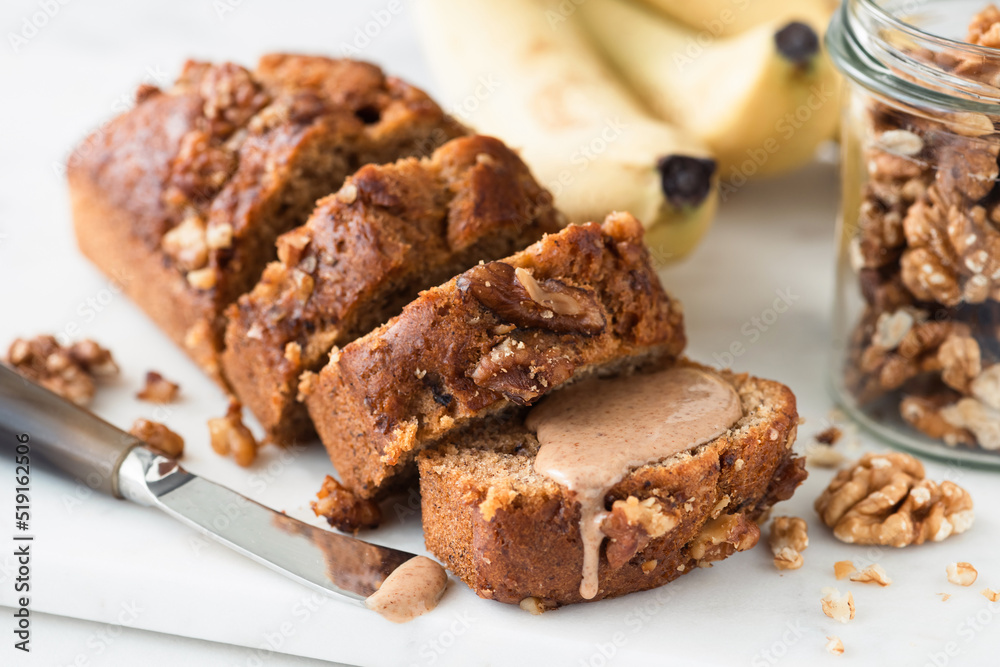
pixel 944 596
pixel 834 645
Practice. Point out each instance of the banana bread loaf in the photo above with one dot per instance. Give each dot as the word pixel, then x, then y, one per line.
pixel 365 252
pixel 513 534
pixel 181 198
pixel 585 300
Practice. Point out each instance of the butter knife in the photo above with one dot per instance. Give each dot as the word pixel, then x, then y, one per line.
pixel 107 459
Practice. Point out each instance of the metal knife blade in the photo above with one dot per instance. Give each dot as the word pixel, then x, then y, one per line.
pixel 321 559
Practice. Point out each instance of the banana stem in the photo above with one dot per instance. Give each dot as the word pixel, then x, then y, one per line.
pixel 798 43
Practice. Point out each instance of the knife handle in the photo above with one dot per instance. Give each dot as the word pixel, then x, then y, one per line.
pixel 68 437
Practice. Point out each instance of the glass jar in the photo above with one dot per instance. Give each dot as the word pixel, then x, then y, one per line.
pixel 916 329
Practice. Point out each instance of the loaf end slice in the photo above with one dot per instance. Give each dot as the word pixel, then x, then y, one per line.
pixel 511 533
pixel 500 335
pixel 366 251
pixel 181 198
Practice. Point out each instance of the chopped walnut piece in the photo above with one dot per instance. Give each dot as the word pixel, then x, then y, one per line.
pixel 202 279
pixel 631 525
pixel 873 574
pixel 158 436
pixel 990 594
pixel 70 372
pixel 842 569
pixel 343 509
pixel 186 243
pixel 823 456
pixel 961 574
pixel 838 607
pixel 884 499
pixel 834 645
pixel 158 389
pixel 789 537
pixel 229 435
pixel 534 606
pixel 829 436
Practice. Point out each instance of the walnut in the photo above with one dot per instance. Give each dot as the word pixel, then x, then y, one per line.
pixel 990 594
pixel 720 537
pixel 969 414
pixel 829 436
pixel 873 574
pixel 343 510
pixel 984 29
pixel 884 499
pixel 93 358
pixel 186 243
pixel 198 172
pixel 521 372
pixel 534 606
pixel 960 361
pixel 203 279
pixel 70 372
pixel 789 537
pixel 231 96
pixel 631 525
pixel 159 437
pixel 838 607
pixel 834 645
pixel 924 413
pixel 842 569
pixel 953 253
pixel 496 286
pixel 230 436
pixel 961 574
pixel 158 389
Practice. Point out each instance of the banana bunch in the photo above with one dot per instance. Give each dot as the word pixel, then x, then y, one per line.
pixel 762 99
pixel 631 130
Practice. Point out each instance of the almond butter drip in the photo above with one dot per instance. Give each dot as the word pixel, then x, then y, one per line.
pixel 412 589
pixel 593 433
pixel 560 304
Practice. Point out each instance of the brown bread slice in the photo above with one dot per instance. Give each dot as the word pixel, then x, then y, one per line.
pixel 365 252
pixel 511 533
pixel 479 345
pixel 181 198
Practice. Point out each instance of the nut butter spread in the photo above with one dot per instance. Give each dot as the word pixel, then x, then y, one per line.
pixel 593 433
pixel 412 589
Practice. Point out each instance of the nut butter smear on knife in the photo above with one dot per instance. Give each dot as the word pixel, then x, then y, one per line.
pixel 593 433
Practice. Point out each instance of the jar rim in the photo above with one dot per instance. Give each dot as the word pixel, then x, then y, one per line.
pixel 857 43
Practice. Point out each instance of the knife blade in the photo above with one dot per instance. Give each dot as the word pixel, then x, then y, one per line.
pixel 90 449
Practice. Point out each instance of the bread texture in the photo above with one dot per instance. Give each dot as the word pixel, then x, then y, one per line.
pixel 181 198
pixel 366 251
pixel 500 335
pixel 512 534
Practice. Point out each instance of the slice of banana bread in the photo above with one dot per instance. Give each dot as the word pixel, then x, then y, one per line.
pixel 181 198
pixel 365 252
pixel 585 300
pixel 513 534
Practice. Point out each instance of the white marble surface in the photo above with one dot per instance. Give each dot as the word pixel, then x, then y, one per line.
pixel 95 557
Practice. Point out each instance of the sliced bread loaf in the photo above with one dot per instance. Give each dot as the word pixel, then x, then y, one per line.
pixel 181 198
pixel 585 300
pixel 513 535
pixel 391 231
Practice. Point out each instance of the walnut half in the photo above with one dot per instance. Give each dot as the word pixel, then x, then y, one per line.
pixel 884 499
pixel 343 510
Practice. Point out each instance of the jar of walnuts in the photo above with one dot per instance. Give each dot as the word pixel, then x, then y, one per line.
pixel 917 316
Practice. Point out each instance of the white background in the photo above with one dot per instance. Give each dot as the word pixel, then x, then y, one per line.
pixel 146 586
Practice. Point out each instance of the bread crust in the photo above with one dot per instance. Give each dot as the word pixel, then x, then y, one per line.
pixel 529 544
pixel 391 231
pixel 244 155
pixel 477 346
